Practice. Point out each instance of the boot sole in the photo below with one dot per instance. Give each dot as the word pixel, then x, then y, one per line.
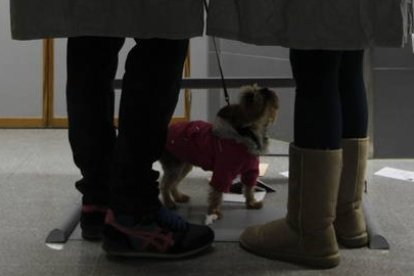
pixel 354 242
pixel 153 255
pixel 316 262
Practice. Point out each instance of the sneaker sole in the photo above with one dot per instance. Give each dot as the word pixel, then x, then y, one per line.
pixel 92 237
pixel 135 254
pixel 92 233
pixel 354 242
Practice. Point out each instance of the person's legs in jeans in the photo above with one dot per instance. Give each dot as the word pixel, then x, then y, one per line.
pixel 150 91
pixel 137 224
pixel 91 66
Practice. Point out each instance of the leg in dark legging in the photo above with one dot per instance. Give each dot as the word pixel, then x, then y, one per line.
pixel 91 66
pixel 353 96
pixel 317 118
pixel 150 91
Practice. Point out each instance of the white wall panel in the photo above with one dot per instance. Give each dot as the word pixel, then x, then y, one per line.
pixel 20 72
pixel 60 77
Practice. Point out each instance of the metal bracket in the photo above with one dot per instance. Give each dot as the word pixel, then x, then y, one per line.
pixel 61 234
pixel 206 83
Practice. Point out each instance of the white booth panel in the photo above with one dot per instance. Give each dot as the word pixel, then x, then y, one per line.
pixel 21 72
pixel 60 78
pixel 59 97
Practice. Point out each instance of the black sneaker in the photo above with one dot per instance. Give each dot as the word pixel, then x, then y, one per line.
pixel 166 235
pixel 92 222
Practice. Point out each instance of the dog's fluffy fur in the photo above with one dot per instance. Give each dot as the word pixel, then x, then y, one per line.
pixel 246 123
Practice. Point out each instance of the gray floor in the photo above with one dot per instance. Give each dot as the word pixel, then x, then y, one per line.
pixel 36 176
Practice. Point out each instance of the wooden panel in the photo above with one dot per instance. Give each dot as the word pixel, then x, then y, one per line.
pixel 48 90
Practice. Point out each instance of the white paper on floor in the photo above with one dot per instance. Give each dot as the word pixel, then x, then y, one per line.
pixel 396 174
pixel 230 197
pixel 263 168
pixel 285 174
pixel 55 246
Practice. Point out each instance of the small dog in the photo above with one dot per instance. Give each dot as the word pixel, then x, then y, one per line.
pixel 229 148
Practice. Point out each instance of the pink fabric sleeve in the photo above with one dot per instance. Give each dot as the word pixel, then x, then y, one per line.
pixel 225 171
pixel 250 172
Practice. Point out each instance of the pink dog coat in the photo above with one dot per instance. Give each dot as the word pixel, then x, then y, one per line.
pixel 194 143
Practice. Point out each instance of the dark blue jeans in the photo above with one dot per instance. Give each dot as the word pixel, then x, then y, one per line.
pixel 117 168
pixel 330 102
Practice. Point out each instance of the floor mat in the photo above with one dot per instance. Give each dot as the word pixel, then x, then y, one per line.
pixel 235 216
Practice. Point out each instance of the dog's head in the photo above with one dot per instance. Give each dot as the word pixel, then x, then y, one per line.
pixel 255 112
pixel 257 107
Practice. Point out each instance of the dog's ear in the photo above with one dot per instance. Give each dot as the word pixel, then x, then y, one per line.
pixel 229 114
pixel 270 96
pixel 224 112
pixel 247 96
pixel 252 102
pixel 271 103
pixel 234 115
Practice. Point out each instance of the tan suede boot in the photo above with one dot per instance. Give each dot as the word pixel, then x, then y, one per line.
pixel 350 226
pixel 306 236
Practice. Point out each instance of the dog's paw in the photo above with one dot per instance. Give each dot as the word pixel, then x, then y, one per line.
pixel 181 198
pixel 210 219
pixel 254 205
pixel 212 216
pixel 215 212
